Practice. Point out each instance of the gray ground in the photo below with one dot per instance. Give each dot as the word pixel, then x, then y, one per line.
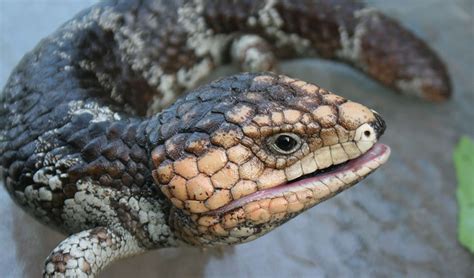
pixel 401 221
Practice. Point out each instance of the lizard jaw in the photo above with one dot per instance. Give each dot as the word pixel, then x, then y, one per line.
pixel 320 185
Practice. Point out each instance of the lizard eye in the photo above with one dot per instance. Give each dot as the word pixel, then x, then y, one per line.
pixel 285 143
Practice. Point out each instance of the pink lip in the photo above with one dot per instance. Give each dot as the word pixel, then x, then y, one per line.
pixel 377 151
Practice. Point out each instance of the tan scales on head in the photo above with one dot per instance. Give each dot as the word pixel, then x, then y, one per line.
pixel 268 133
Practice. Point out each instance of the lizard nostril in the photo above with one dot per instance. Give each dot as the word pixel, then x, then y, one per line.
pixel 379 125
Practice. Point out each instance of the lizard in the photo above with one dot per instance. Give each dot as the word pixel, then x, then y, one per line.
pixel 105 137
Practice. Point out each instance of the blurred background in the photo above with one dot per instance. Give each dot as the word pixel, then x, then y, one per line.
pixel 401 221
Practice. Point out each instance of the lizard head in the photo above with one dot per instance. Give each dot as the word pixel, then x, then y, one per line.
pixel 240 156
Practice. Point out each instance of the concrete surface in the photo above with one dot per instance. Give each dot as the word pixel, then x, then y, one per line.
pixel 399 222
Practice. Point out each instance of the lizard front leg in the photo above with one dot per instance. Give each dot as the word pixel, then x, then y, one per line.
pixel 88 252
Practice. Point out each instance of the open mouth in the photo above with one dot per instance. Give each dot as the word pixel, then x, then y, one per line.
pixel 334 178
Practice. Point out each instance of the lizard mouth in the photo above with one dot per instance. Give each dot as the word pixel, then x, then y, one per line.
pixel 322 184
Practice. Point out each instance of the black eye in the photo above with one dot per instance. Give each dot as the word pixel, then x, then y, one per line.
pixel 285 143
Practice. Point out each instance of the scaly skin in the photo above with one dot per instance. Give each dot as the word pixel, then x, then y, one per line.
pixel 86 148
pixel 227 154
